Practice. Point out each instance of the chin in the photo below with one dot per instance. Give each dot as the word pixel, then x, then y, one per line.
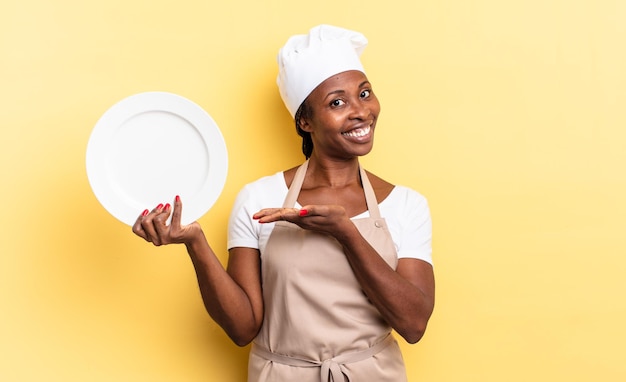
pixel 363 151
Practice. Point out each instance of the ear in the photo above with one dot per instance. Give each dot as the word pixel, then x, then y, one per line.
pixel 305 124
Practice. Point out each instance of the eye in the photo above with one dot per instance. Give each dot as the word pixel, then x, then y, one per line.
pixel 365 93
pixel 336 102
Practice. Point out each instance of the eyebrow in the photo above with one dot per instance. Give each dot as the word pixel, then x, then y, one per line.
pixel 341 91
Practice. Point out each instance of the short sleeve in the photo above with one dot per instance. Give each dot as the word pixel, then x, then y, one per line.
pixel 408 216
pixel 242 229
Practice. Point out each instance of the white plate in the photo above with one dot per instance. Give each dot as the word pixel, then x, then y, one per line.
pixel 150 147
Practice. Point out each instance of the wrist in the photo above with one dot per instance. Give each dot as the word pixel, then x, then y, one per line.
pixel 346 233
pixel 196 242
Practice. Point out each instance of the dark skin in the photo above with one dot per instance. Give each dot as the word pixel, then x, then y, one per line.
pixel 342 123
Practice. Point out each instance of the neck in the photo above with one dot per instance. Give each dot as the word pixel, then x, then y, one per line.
pixel 333 173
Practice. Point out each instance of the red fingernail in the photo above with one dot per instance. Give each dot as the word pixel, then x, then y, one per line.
pixel 159 206
pixel 303 212
pixel 145 212
pixel 177 198
pixel 166 206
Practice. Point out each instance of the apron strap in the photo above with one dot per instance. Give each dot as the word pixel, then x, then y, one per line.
pixel 370 196
pixel 296 185
pixel 298 179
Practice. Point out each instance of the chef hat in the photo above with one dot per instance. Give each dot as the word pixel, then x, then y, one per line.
pixel 307 60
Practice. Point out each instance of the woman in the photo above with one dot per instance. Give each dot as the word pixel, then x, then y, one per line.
pixel 318 284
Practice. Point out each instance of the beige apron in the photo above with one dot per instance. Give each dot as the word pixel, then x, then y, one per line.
pixel 318 323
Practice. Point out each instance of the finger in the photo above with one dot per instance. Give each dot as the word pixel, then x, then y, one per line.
pixel 148 225
pixel 137 228
pixel 278 214
pixel 289 214
pixel 265 212
pixel 306 211
pixel 177 213
pixel 160 223
pixel 321 210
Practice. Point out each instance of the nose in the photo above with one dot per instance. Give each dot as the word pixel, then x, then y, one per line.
pixel 360 110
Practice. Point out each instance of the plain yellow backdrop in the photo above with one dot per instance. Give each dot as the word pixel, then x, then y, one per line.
pixel 509 116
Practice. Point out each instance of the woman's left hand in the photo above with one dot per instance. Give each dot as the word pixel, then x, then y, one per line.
pixel 329 219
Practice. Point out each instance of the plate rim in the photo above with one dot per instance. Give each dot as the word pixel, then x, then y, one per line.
pixel 184 108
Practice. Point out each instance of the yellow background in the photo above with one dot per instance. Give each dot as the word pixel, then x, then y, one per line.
pixel 508 115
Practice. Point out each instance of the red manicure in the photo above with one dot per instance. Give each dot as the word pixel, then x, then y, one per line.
pixel 159 206
pixel 166 206
pixel 303 212
pixel 177 198
pixel 145 212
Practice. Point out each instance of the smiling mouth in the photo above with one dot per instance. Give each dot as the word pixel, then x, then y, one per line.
pixel 357 133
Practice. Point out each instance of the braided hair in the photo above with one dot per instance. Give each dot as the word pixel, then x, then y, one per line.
pixel 304 111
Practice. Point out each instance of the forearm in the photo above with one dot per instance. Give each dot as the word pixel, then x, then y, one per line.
pixel 227 298
pixel 225 301
pixel 402 303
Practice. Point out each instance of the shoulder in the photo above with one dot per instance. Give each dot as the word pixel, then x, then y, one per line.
pixel 288 175
pixel 408 217
pixel 396 195
pixel 381 187
pixel 266 183
pixel 405 204
pixel 263 192
pixel 406 199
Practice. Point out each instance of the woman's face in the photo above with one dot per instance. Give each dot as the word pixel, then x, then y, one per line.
pixel 343 116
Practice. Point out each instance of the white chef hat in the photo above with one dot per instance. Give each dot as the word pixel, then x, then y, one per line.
pixel 307 60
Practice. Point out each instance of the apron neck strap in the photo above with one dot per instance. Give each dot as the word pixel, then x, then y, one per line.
pixel 370 196
pixel 296 185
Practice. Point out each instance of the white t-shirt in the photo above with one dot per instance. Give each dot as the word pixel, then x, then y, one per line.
pixel 405 211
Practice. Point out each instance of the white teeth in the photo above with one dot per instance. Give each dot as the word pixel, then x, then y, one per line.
pixel 358 132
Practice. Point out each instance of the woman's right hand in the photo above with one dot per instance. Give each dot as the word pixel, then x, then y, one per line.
pixel 152 226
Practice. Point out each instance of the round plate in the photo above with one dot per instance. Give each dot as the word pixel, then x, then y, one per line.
pixel 150 147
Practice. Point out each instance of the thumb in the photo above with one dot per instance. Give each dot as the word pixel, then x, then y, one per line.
pixel 306 211
pixel 177 213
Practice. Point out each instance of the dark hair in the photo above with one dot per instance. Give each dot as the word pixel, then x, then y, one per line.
pixel 304 111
